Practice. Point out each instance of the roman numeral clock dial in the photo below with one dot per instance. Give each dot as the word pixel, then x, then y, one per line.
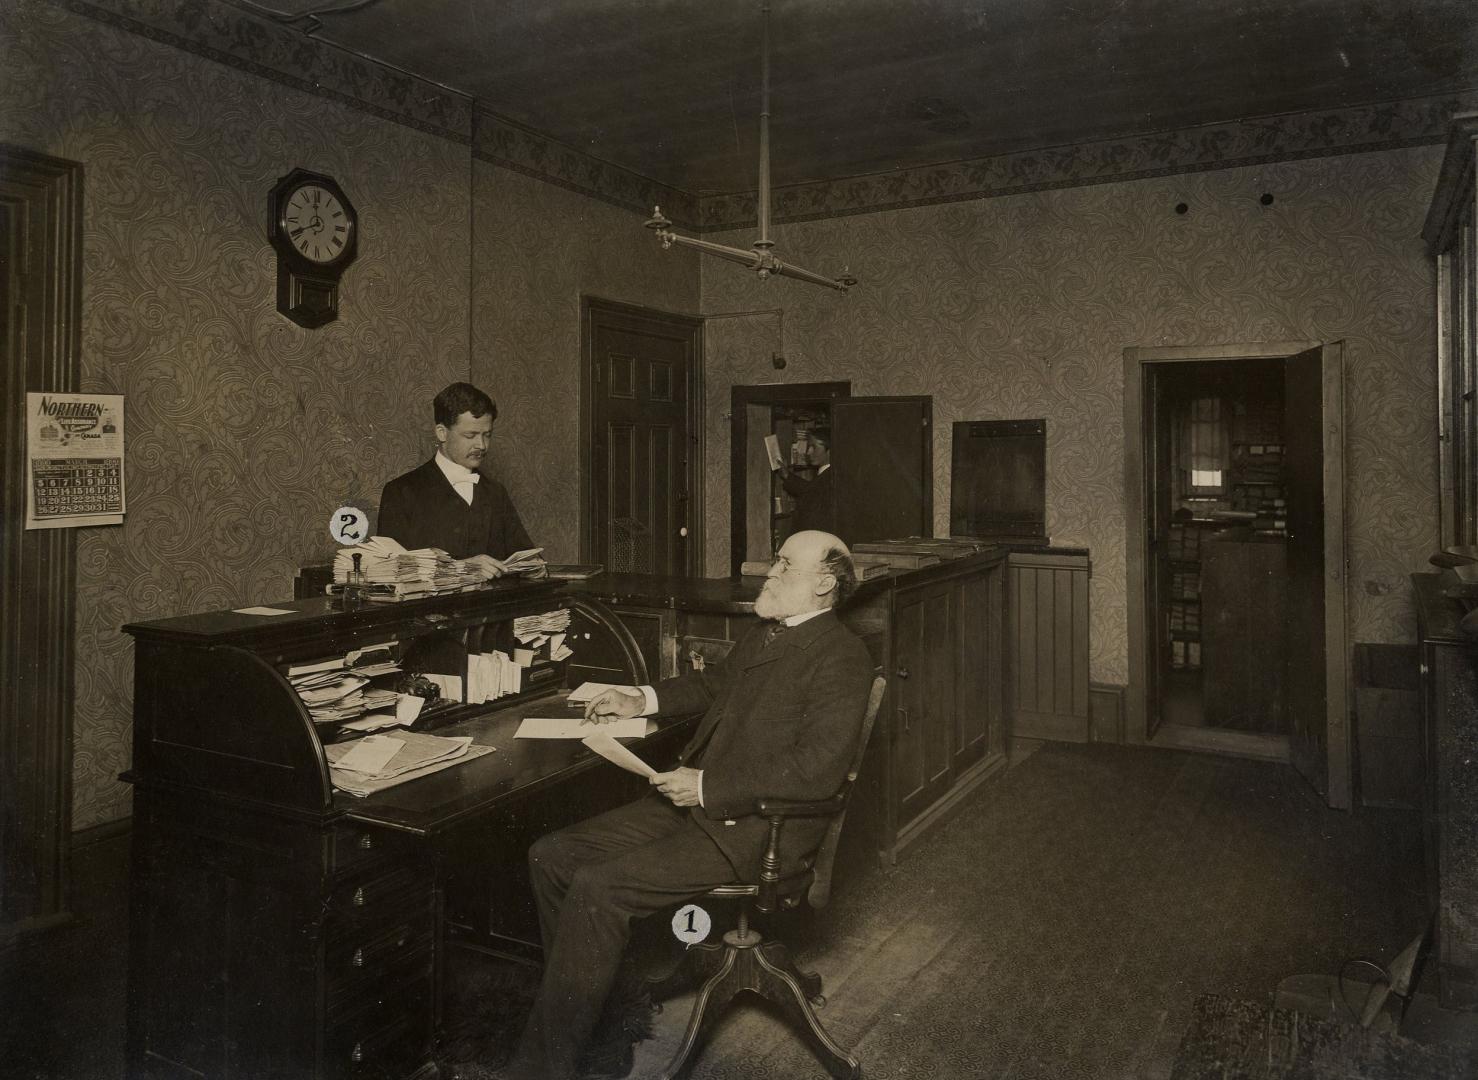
pixel 315 231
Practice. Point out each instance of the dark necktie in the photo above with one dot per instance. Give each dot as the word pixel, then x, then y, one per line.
pixel 774 630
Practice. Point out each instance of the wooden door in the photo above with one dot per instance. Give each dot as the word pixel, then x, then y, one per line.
pixel 1159 572
pixel 643 428
pixel 40 334
pixel 1316 678
pixel 883 454
pixel 924 699
pixel 977 672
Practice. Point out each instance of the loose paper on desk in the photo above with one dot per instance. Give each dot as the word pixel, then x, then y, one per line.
pixel 772 447
pixel 608 748
pixel 577 727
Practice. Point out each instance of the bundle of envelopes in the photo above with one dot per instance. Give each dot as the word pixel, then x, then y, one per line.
pixel 376 762
pixel 390 572
pixel 551 627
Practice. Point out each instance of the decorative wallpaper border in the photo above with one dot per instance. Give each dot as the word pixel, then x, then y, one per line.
pixel 1261 140
pixel 257 46
pixel 230 36
pixel 501 141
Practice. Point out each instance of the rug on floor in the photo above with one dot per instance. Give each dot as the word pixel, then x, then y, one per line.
pixel 1231 1039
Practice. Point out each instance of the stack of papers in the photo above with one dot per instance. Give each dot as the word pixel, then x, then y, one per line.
pixel 376 762
pixel 390 572
pixel 551 626
pixel 523 562
pixel 337 690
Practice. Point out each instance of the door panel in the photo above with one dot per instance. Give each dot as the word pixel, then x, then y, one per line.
pixel 974 667
pixel 882 455
pixel 644 441
pixel 925 677
pixel 1317 652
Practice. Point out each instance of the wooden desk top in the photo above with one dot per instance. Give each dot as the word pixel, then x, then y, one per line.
pixel 517 769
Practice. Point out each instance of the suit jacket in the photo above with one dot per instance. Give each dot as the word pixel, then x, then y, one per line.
pixel 422 509
pixel 815 502
pixel 781 720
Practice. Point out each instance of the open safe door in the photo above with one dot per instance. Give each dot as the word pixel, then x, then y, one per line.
pixel 883 456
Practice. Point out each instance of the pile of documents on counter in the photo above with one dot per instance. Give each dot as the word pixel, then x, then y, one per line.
pixel 376 762
pixel 390 572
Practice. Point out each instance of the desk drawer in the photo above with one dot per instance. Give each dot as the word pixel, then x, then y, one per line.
pixel 369 964
pixel 352 846
pixel 389 1040
pixel 402 893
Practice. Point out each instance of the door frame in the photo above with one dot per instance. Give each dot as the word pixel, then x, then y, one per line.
pixel 1139 456
pixel 590 308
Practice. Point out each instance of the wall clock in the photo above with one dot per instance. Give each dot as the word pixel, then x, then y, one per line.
pixel 315 231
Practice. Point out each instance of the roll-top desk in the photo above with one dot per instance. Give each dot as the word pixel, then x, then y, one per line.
pixel 282 929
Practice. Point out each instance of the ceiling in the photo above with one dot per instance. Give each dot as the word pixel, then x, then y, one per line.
pixel 670 88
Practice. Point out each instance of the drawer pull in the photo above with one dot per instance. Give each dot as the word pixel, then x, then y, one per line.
pixel 902 672
pixel 359 897
pixel 358 960
pixel 357 1054
pixel 366 842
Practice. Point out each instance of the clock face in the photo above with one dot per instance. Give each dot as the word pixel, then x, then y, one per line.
pixel 316 223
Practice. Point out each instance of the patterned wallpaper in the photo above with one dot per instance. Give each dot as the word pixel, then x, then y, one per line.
pixel 244 430
pixel 538 248
pixel 1021 307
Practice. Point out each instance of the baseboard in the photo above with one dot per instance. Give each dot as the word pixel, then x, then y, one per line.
pixel 1106 712
pixel 100 834
pixel 948 806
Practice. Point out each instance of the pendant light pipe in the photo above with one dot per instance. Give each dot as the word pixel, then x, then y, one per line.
pixel 761 259
pixel 764 243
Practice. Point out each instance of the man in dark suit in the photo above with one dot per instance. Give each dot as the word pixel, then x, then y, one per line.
pixel 446 503
pixel 781 718
pixel 815 499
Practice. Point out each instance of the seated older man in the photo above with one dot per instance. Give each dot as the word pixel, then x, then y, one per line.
pixel 781 718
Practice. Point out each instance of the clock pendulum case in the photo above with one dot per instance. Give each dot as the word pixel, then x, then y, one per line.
pixel 315 231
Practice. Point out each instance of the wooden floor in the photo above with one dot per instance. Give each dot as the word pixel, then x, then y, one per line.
pixel 1061 926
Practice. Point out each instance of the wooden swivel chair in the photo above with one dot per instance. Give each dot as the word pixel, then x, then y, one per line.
pixel 745 960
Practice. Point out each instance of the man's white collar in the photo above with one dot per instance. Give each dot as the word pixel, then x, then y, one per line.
pixel 457 474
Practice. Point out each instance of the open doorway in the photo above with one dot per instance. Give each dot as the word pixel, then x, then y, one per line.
pixel 1234 470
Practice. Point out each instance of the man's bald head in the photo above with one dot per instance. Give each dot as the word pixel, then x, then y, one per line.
pixel 812 571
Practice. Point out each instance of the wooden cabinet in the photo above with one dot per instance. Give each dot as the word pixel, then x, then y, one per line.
pixel 281 928
pixel 1449 703
pixel 1244 633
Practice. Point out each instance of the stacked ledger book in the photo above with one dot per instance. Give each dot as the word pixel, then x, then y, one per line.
pixel 388 571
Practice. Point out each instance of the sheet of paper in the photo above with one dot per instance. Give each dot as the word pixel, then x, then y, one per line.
pixel 574 727
pixel 772 447
pixel 589 691
pixel 371 754
pixel 407 708
pixel 607 747
pixel 261 611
